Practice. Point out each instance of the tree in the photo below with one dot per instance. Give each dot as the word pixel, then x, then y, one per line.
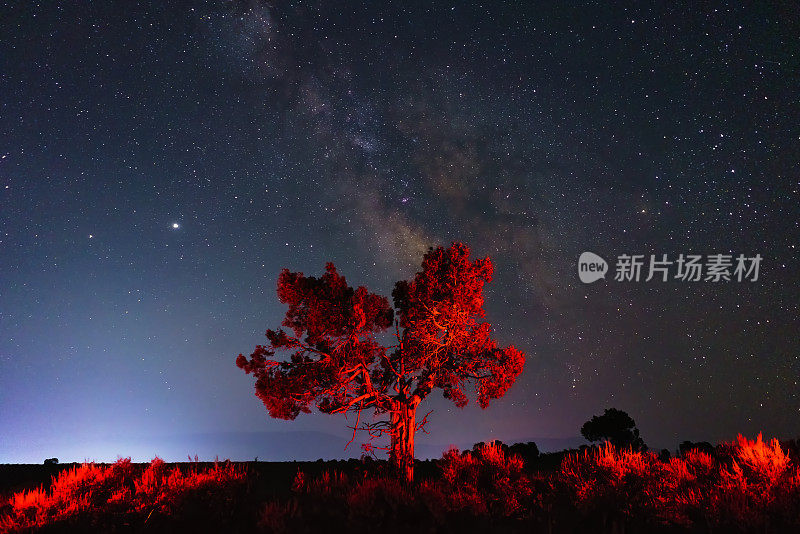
pixel 615 426
pixel 337 364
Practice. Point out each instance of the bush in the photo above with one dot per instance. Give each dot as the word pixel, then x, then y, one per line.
pixel 744 486
pixel 747 486
pixel 98 497
pixel 608 486
pixel 474 490
pixel 485 482
pixel 757 489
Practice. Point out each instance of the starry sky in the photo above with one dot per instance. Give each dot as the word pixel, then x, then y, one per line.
pixel 160 164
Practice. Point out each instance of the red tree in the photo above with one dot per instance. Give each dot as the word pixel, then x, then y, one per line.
pixel 337 365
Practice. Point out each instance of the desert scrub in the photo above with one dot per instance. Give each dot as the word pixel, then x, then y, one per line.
pixel 94 497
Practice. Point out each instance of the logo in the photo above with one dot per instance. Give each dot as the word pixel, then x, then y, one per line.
pixel 591 267
pixel 660 268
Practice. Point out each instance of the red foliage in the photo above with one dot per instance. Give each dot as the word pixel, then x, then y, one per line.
pixel 607 482
pixel 757 488
pixel 444 338
pixel 745 486
pixel 336 364
pixel 486 481
pixel 334 327
pixel 474 489
pixel 109 497
pixel 748 486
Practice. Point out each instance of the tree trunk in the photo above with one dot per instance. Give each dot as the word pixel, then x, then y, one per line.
pixel 403 427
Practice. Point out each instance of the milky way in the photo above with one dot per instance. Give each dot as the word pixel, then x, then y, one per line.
pixel 161 165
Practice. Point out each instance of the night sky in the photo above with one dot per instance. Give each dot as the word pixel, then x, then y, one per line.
pixel 159 166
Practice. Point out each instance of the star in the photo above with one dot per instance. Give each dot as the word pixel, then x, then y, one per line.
pixel 368 163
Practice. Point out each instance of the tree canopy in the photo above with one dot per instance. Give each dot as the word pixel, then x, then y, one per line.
pixel 615 426
pixel 336 363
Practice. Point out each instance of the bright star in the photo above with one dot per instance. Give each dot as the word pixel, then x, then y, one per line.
pixel 175 226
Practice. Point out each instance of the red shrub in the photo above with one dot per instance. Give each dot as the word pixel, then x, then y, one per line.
pixel 745 486
pixel 97 496
pixel 610 486
pixel 486 482
pixel 757 489
pixel 750 486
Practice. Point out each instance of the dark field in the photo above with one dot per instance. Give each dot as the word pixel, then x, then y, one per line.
pixel 744 486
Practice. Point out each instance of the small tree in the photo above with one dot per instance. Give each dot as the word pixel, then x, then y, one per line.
pixel 615 426
pixel 337 364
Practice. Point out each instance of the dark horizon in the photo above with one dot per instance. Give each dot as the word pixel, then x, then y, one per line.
pixel 301 446
pixel 160 165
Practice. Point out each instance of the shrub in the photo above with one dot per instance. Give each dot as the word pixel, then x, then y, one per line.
pixel 746 486
pixel 486 481
pixel 757 489
pixel 609 486
pixel 474 491
pixel 98 497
